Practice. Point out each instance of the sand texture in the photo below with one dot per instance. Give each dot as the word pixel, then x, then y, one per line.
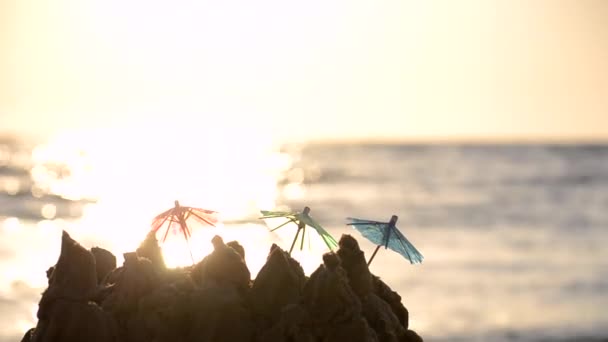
pixel 89 299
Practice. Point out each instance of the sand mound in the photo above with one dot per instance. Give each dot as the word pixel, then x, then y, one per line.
pixel 215 300
pixel 64 312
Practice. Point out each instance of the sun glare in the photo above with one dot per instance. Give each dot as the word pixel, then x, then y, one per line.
pixel 131 177
pixel 121 178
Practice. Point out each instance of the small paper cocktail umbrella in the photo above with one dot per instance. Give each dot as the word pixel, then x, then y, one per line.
pixel 386 234
pixel 301 220
pixel 176 219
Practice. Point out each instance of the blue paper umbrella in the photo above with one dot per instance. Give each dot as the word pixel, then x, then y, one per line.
pixel 301 220
pixel 386 234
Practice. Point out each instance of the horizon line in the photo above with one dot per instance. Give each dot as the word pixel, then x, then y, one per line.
pixel 426 140
pixel 460 140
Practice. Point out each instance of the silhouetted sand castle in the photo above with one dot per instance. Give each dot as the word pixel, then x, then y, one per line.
pixel 88 299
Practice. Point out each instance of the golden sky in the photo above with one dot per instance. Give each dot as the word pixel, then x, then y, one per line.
pixel 309 70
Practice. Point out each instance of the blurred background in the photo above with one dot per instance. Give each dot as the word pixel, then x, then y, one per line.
pixel 482 124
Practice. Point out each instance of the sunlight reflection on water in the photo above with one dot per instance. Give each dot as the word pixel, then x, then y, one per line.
pixel 495 277
pixel 132 178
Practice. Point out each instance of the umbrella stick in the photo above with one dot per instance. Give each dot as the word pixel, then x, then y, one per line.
pixel 190 250
pixel 182 223
pixel 294 240
pixel 373 255
pixel 303 233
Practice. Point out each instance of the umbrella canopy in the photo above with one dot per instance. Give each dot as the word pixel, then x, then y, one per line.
pixel 176 220
pixel 302 220
pixel 386 234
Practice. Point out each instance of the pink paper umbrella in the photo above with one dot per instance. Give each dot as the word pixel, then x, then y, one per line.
pixel 176 220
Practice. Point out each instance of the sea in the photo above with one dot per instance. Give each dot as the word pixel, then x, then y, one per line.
pixel 514 236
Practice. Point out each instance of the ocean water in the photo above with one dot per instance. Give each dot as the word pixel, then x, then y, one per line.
pixel 514 236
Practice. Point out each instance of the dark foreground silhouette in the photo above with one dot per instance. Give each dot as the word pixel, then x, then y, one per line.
pixel 88 299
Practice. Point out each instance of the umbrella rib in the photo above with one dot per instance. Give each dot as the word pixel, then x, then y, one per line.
pixel 364 223
pixel 168 228
pixel 359 221
pixel 404 244
pixel 185 230
pixel 202 218
pixel 283 224
pixel 160 225
pixel 303 233
pixel 406 249
pixel 294 240
pixel 388 235
pixel 165 213
pixel 327 238
pixel 272 214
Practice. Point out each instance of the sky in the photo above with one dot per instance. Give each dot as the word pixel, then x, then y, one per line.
pixel 387 70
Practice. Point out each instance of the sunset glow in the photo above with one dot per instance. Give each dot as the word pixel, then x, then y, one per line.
pixel 341 70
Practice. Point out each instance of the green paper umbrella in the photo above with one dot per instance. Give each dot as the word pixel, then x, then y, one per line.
pixel 302 220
